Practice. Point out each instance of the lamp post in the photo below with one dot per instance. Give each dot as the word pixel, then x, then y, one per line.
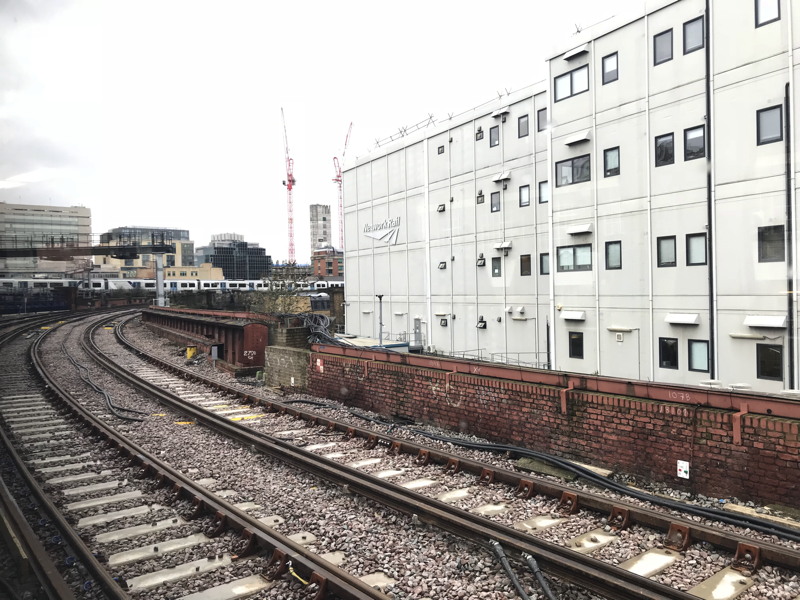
pixel 380 319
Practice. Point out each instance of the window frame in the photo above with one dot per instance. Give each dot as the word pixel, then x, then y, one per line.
pixel 768 257
pixel 615 72
pixel 544 263
pixel 692 236
pixel 576 337
pixel 547 184
pixel 759 362
pixel 570 75
pixel 497 266
pixel 609 245
pixel 520 121
pixel 656 61
pixel 702 35
pixel 662 341
pixel 761 24
pixel 572 160
pixel 759 140
pixel 686 132
pixel 659 261
pixel 562 269
pixel 606 170
pixel 494 202
pixel 522 266
pixel 527 200
pixel 662 163
pixel 494 136
pixel 541 119
pixel 691 343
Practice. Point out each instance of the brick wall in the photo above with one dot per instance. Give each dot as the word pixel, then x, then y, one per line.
pixel 292 337
pixel 748 456
pixel 286 367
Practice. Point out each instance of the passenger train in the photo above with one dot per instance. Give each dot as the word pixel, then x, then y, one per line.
pixel 170 285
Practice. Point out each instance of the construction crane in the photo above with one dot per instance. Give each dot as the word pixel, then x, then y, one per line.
pixel 338 181
pixel 289 183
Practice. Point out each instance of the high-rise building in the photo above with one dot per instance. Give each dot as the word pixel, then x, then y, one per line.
pixel 320 215
pixel 237 258
pixel 634 216
pixel 23 225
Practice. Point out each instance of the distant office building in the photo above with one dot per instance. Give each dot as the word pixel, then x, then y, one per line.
pixel 320 215
pixel 144 264
pixel 237 258
pixel 327 262
pixel 37 225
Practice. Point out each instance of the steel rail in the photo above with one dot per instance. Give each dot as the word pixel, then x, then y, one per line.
pixel 769 552
pixel 585 571
pixel 32 559
pixel 331 581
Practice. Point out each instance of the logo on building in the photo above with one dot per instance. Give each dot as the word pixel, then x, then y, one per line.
pixel 385 232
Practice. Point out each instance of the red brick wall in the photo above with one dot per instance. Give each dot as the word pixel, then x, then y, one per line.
pixel 631 435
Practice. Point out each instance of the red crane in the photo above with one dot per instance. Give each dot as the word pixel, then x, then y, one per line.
pixel 338 181
pixel 289 183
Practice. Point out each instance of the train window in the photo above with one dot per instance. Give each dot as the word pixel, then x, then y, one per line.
pixel 149 284
pixel 39 284
pixel 8 284
pixel 97 284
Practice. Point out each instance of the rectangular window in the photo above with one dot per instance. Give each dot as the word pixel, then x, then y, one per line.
pixel 576 344
pixel 494 136
pixel 694 143
pixel 524 195
pixel 665 150
pixel 693 35
pixel 610 72
pixel 522 126
pixel 769 125
pixel 662 47
pixel 541 119
pixel 611 161
pixel 668 353
pixel 572 83
pixel 769 362
pixel 495 201
pixel 525 265
pixel 497 266
pixel 613 255
pixel 771 244
pixel 666 251
pixel 698 355
pixel 544 192
pixel 574 258
pixel 767 11
pixel 574 170
pixel 440 150
pixel 696 249
pixel 544 264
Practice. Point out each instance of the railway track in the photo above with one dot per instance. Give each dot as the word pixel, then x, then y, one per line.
pixel 682 540
pixel 481 500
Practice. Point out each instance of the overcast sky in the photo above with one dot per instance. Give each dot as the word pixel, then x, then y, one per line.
pixel 167 113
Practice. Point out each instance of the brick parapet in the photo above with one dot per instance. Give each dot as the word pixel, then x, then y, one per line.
pixel 748 456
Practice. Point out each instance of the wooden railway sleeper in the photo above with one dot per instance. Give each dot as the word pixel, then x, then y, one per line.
pixel 568 504
pixel 747 558
pixel 678 537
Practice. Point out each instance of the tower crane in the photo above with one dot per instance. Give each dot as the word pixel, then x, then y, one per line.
pixel 289 183
pixel 338 181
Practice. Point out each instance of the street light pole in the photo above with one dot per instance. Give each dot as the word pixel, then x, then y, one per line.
pixel 380 319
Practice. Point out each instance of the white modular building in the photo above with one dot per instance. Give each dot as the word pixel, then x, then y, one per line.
pixel 633 216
